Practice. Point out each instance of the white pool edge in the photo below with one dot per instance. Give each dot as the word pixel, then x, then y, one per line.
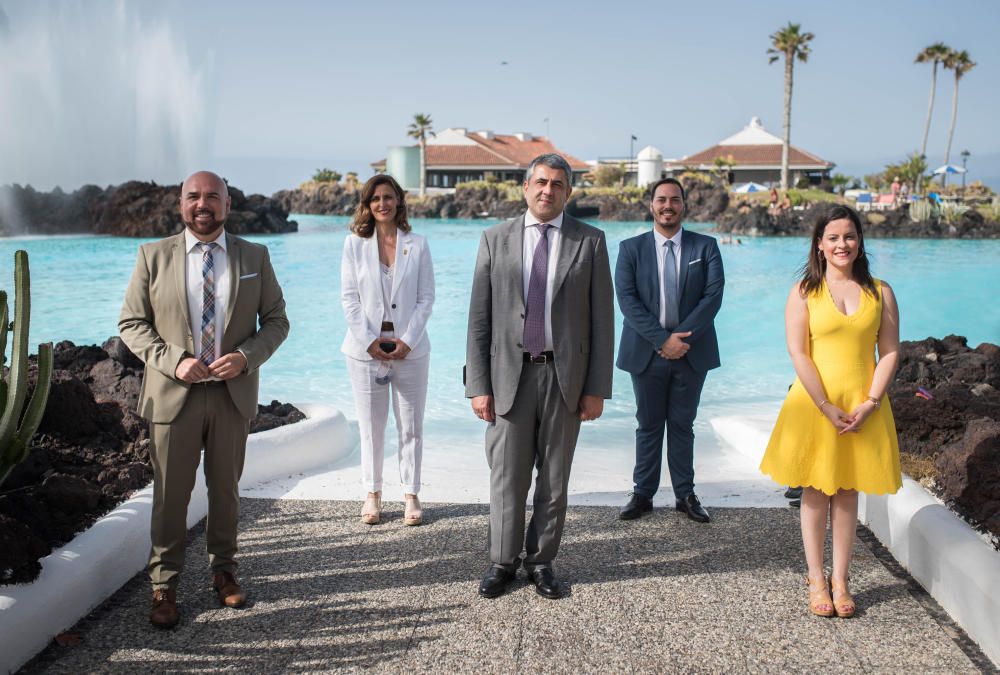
pixel 944 554
pixel 100 560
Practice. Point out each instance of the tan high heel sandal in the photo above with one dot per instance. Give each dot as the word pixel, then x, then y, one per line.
pixel 412 514
pixel 843 602
pixel 819 597
pixel 371 512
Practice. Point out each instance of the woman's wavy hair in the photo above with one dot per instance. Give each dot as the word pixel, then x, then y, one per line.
pixel 363 224
pixel 814 270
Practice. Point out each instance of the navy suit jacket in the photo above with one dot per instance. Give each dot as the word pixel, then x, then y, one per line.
pixel 637 285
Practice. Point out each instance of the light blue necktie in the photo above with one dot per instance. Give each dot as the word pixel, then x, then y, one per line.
pixel 670 299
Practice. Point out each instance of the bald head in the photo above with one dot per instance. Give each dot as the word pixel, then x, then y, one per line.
pixel 204 204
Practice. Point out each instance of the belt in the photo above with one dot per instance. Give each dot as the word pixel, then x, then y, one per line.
pixel 209 383
pixel 387 327
pixel 544 357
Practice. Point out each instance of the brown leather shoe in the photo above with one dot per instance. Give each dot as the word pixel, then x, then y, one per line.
pixel 230 592
pixel 164 613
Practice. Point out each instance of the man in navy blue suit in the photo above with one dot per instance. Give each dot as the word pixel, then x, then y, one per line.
pixel 669 285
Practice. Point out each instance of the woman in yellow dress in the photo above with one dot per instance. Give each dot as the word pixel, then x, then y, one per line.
pixel 835 435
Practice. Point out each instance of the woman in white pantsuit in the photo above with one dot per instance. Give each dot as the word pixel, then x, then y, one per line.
pixel 387 290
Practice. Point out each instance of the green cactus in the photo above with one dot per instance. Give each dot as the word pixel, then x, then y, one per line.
pixel 921 210
pixel 16 429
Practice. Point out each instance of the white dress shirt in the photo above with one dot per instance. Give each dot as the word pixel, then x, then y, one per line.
pixel 220 260
pixel 661 256
pixel 532 235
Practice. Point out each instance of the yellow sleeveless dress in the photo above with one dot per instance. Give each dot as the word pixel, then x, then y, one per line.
pixel 804 449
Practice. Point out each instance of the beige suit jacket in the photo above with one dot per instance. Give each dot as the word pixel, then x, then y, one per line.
pixel 154 322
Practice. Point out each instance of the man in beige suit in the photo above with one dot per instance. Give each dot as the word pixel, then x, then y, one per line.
pixel 191 314
pixel 539 360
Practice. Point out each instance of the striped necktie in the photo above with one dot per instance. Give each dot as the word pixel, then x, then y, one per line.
pixel 207 355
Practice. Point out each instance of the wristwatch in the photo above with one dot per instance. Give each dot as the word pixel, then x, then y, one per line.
pixel 877 402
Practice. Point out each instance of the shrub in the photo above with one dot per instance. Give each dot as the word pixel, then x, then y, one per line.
pixel 327 176
pixel 952 213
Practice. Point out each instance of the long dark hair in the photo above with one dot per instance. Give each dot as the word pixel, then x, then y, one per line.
pixel 364 222
pixel 814 269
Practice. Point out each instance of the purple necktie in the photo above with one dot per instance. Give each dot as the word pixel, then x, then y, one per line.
pixel 534 311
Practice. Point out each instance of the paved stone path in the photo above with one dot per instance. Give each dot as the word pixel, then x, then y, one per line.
pixel 658 595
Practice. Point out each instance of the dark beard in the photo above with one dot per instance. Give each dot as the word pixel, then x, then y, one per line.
pixel 200 229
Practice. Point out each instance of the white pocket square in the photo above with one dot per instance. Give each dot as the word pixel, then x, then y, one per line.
pixel 248 276
pixel 694 261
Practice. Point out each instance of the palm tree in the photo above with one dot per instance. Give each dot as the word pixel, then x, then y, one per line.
pixel 419 129
pixel 961 63
pixel 934 54
pixel 791 43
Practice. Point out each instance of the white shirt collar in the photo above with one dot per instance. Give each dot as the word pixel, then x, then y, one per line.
pixel 529 220
pixel 661 240
pixel 190 241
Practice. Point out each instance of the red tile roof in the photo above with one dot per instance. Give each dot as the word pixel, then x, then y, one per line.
pixel 754 155
pixel 501 151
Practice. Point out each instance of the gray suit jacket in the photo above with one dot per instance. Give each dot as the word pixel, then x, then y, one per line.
pixel 154 322
pixel 582 315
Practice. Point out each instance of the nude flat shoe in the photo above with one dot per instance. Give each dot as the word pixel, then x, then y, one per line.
pixel 412 514
pixel 371 512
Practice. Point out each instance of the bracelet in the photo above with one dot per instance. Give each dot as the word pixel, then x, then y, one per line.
pixel 822 403
pixel 875 401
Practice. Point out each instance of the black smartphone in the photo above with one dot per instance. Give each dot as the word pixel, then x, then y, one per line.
pixel 387 347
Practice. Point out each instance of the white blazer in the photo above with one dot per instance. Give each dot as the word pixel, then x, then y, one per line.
pixel 361 293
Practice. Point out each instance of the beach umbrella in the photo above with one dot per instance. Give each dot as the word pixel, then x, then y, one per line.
pixel 948 169
pixel 750 187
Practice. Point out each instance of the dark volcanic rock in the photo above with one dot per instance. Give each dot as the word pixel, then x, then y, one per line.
pixel 894 223
pixel 132 209
pixel 969 473
pixel 957 427
pixel 326 199
pixel 90 453
pixel 275 415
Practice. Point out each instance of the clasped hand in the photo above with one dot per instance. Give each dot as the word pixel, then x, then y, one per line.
pixel 674 347
pixel 400 352
pixel 226 367
pixel 848 422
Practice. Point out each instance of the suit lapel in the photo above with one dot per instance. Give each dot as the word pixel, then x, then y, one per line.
pixel 648 266
pixel 569 244
pixel 233 258
pixel 513 254
pixel 687 254
pixel 403 253
pixel 178 259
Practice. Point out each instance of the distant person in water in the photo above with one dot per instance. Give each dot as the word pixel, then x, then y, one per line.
pixel 835 434
pixel 191 314
pixel 387 291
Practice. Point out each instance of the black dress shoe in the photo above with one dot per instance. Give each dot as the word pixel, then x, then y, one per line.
pixel 636 506
pixel 693 508
pixel 546 584
pixel 793 493
pixel 495 582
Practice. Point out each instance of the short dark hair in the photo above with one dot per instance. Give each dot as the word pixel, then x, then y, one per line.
pixel 553 161
pixel 667 181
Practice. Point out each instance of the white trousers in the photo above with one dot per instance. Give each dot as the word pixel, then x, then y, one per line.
pixel 408 389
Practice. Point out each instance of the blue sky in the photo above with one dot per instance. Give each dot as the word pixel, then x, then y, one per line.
pixel 284 88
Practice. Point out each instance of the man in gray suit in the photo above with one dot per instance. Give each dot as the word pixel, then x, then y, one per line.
pixel 539 361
